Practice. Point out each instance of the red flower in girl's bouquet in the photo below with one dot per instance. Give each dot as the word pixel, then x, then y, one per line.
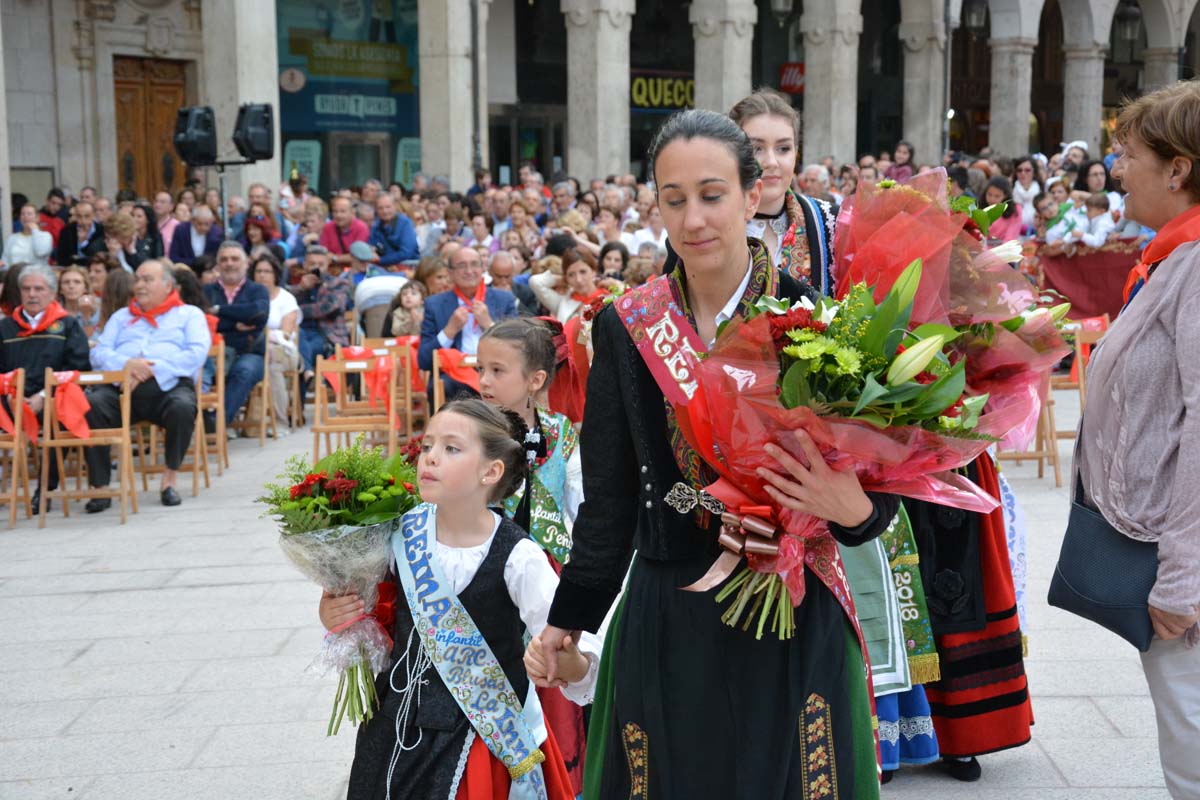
pixel 305 487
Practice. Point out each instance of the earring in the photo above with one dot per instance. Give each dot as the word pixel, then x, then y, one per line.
pixel 1172 187
pixel 529 401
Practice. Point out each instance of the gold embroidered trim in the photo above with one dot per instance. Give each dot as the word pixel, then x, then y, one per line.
pixel 925 668
pixel 637 755
pixel 816 748
pixel 530 761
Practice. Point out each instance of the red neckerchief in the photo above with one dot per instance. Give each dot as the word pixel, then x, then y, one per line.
pixel 151 315
pixel 586 299
pixel 1184 228
pixel 53 313
pixel 480 294
pixel 231 296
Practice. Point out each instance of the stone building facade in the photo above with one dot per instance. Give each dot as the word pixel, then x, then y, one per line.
pixel 80 80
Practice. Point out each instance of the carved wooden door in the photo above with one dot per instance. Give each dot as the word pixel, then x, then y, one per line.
pixel 148 93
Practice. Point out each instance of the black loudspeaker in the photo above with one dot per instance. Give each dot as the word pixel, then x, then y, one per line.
pixel 196 135
pixel 254 133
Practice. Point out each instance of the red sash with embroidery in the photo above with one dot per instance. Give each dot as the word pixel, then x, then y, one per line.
pixel 663 336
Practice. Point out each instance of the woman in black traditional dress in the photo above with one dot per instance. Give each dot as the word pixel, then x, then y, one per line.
pixel 696 708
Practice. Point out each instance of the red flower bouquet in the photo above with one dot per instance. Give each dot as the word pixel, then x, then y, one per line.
pixel 337 520
pixel 933 353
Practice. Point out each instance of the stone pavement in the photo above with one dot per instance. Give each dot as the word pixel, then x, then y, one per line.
pixel 166 659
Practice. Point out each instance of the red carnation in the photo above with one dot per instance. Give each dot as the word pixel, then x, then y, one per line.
pixel 340 487
pixel 305 487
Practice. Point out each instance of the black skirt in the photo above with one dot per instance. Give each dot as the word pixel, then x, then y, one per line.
pixel 700 709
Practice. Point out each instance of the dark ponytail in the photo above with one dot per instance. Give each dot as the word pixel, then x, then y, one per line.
pixel 699 123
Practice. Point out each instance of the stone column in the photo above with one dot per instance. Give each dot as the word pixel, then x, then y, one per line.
pixel 598 86
pixel 444 44
pixel 5 176
pixel 924 87
pixel 724 35
pixel 1012 85
pixel 241 65
pixel 830 82
pixel 1160 67
pixel 1083 95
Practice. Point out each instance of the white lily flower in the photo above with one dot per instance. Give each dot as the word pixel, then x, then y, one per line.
pixel 1009 252
pixel 829 310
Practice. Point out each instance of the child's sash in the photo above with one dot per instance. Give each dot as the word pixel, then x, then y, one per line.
pixel 464 660
pixel 548 482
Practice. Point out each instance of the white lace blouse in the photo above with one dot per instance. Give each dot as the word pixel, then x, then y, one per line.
pixel 531 584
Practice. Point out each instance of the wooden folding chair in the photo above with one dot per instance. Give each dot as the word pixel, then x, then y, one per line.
pixel 439 391
pixel 14 455
pixel 1085 342
pixel 55 439
pixel 418 402
pixel 409 400
pixel 214 400
pixel 339 429
pixel 1088 333
pixel 352 323
pixel 261 394
pixel 1045 444
pixel 149 445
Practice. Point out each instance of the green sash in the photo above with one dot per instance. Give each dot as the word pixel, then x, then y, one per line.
pixel 901 549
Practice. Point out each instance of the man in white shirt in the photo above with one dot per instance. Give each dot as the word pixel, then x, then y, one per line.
pixel 163 342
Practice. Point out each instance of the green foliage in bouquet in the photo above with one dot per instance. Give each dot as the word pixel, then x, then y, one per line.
pixel 351 486
pixel 857 358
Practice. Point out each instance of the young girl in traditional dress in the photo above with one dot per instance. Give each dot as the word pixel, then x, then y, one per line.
pixel 516 361
pixel 458 716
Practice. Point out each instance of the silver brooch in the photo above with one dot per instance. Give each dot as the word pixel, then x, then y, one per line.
pixel 684 499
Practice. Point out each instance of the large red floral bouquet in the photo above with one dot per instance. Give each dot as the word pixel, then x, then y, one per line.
pixel 913 373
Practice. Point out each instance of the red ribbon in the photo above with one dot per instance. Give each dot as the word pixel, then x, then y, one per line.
pixel 383 613
pixel 29 421
pixel 71 404
pixel 469 302
pixel 451 363
pixel 375 377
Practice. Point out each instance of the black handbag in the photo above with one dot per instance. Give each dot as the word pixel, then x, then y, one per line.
pixel 1104 576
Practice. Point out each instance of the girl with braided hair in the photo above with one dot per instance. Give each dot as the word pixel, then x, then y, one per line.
pixel 458 716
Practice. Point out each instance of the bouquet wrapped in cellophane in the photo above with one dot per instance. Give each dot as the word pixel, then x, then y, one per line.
pixel 912 374
pixel 337 520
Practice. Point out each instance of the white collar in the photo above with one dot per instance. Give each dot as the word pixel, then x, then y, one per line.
pixel 35 318
pixel 731 306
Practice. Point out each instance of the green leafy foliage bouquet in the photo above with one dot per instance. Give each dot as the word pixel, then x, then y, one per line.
pixel 337 518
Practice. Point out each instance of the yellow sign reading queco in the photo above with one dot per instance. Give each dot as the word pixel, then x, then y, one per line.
pixel 662 92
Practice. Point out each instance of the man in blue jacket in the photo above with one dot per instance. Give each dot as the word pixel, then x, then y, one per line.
pixel 200 237
pixel 241 308
pixel 392 235
pixel 455 320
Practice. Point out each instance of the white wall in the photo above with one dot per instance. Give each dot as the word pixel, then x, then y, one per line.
pixel 501 53
pixel 29 86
